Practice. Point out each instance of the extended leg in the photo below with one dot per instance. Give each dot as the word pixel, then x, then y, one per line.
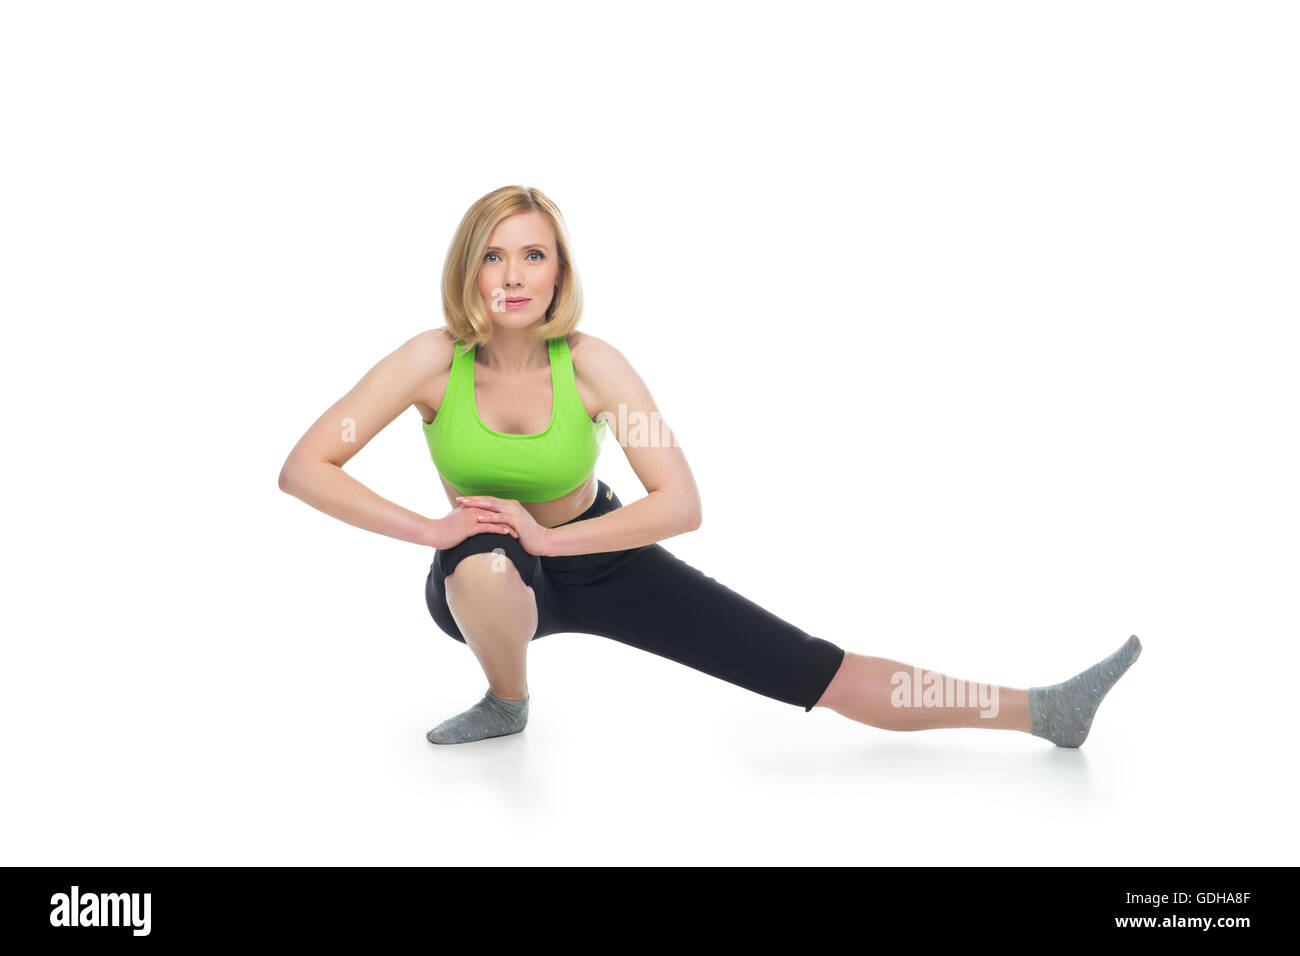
pixel 895 696
pixel 655 601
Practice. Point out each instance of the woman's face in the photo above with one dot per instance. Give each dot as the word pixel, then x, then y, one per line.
pixel 519 271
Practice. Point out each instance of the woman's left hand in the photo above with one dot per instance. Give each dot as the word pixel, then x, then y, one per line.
pixel 531 535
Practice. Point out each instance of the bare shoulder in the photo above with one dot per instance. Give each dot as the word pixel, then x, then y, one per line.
pixel 431 349
pixel 594 358
pixel 605 373
pixel 425 359
pixel 436 339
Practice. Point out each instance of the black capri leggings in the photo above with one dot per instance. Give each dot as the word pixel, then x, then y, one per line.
pixel 649 598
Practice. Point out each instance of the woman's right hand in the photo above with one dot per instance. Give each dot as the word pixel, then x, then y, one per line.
pixel 463 522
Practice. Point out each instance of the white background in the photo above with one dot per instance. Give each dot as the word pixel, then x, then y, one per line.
pixel 976 322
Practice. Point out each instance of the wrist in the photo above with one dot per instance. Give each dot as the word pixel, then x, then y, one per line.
pixel 433 532
pixel 548 543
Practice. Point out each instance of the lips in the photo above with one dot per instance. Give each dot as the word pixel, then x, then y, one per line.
pixel 517 301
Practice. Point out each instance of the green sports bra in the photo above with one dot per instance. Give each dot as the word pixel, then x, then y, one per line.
pixel 477 460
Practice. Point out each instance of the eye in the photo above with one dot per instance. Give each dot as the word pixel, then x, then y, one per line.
pixel 535 252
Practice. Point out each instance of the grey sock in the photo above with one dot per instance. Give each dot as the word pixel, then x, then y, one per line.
pixel 492 716
pixel 1063 712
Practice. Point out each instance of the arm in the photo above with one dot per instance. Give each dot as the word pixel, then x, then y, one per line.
pixel 314 473
pixel 672 503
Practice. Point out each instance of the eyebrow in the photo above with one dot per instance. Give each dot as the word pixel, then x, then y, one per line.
pixel 531 245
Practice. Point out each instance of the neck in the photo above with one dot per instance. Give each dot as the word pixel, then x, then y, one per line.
pixel 514 351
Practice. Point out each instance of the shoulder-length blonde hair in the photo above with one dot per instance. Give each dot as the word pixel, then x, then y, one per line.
pixel 467 318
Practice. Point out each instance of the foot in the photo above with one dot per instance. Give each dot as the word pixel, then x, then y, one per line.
pixel 492 716
pixel 1063 712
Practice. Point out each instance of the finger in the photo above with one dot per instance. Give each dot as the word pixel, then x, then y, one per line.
pixel 497 521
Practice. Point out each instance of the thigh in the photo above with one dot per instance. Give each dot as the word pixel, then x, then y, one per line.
pixel 653 600
pixel 509 549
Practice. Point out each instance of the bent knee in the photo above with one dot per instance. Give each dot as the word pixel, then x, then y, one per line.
pixel 484 569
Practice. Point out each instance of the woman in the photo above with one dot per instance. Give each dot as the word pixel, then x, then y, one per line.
pixel 515 403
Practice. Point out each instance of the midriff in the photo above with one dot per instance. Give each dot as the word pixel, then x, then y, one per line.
pixel 548 514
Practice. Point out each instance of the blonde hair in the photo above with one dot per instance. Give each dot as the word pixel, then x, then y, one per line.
pixel 467 318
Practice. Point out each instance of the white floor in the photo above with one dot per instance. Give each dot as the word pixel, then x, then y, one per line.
pixel 301 740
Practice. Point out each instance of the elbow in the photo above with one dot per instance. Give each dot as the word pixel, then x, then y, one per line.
pixel 289 477
pixel 693 518
pixel 297 474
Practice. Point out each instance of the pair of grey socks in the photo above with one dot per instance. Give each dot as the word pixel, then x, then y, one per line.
pixel 1063 712
pixel 492 716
